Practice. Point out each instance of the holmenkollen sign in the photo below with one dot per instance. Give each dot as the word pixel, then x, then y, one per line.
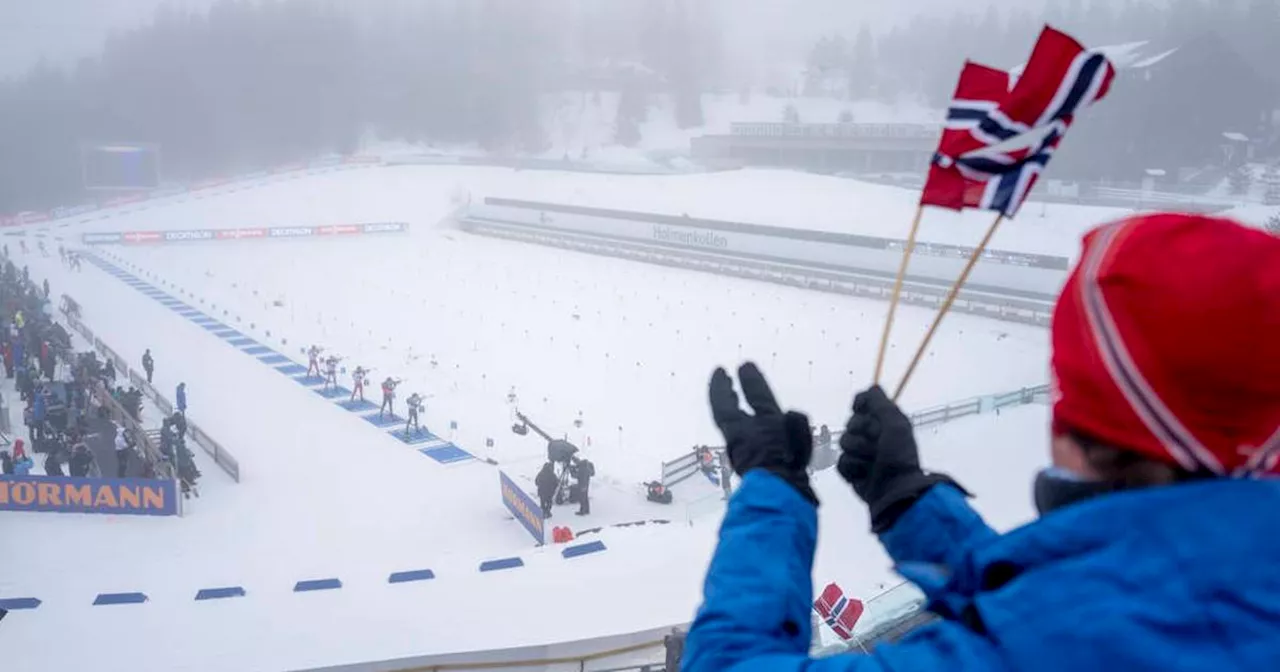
pixel 131 496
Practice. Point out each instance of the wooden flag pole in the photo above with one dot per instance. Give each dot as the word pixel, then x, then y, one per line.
pixel 947 303
pixel 897 292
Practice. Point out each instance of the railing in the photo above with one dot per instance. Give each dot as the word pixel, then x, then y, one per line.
pixel 682 468
pixel 851 130
pixel 221 457
pixel 1009 309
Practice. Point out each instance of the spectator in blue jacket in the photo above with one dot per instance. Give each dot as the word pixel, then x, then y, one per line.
pixel 182 398
pixel 1157 544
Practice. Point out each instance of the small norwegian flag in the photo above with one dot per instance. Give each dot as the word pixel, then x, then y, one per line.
pixel 979 93
pixel 839 612
pixel 1007 140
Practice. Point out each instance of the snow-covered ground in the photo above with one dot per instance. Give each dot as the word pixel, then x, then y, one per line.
pixel 626 345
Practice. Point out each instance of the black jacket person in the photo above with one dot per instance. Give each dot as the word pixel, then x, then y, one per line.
pixel 547 482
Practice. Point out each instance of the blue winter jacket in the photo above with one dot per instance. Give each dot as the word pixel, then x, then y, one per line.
pixel 1174 579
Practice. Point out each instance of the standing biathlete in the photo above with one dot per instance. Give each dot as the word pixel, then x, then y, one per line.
pixel 358 378
pixel 388 397
pixel 313 361
pixel 415 403
pixel 331 372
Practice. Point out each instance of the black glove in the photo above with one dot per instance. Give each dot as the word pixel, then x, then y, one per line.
pixel 880 459
pixel 770 440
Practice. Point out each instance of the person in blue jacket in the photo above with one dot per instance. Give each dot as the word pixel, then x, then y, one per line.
pixel 1158 543
pixel 182 398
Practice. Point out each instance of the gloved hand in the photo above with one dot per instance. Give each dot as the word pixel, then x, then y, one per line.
pixel 778 442
pixel 880 459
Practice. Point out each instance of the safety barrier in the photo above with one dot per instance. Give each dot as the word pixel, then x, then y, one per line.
pixel 236 235
pixel 1005 308
pixel 225 460
pixel 680 469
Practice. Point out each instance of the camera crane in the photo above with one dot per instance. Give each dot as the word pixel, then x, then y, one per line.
pixel 559 451
pixel 526 424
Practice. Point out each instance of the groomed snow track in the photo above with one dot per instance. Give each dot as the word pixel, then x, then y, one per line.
pixel 866 284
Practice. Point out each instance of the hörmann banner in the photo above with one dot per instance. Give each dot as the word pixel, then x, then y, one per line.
pixel 127 496
pixel 526 510
pixel 207 235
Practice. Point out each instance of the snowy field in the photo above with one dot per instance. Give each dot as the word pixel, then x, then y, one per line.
pixel 624 346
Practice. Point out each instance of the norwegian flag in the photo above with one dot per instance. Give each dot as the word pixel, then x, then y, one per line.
pixel 838 611
pixel 979 93
pixel 1007 149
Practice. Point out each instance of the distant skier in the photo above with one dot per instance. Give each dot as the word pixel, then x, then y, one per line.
pixel 358 378
pixel 182 398
pixel 313 359
pixel 62 254
pixel 22 245
pixel 45 285
pixel 331 371
pixel 43 251
pixel 415 407
pixel 388 397
pixel 148 365
pixel 547 483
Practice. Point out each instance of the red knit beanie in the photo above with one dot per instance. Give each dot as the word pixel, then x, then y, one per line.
pixel 1166 341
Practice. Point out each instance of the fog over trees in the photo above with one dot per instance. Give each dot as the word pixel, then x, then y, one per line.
pixel 240 85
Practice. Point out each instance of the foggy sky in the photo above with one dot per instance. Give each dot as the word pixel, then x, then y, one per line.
pixel 63 31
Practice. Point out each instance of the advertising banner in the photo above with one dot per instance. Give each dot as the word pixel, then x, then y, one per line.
pixel 526 510
pixel 101 238
pixel 126 496
pixel 338 230
pixel 290 231
pixel 386 227
pixel 63 212
pixel 238 234
pixel 205 235
pixel 177 236
pixel 143 236
pixel 34 217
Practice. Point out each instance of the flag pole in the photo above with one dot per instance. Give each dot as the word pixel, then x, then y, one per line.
pixel 947 303
pixel 897 292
